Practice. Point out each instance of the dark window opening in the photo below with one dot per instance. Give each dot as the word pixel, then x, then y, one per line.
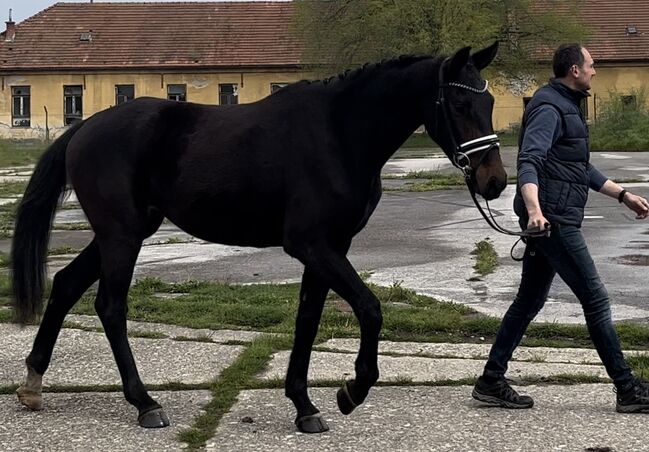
pixel 276 87
pixel 20 106
pixel 177 92
pixel 629 102
pixel 124 93
pixel 228 94
pixel 583 106
pixel 73 104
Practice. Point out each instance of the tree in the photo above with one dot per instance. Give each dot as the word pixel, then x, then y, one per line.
pixel 341 34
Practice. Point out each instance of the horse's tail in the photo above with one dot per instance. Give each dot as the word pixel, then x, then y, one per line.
pixel 34 219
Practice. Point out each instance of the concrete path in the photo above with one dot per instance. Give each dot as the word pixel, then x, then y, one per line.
pixel 415 419
pixel 395 418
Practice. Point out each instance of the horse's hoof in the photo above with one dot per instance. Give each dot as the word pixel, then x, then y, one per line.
pixel 311 424
pixel 155 418
pixel 31 399
pixel 345 403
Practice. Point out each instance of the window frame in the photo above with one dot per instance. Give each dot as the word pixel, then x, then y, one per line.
pixel 72 117
pixel 126 96
pixel 229 96
pixel 175 96
pixel 24 118
pixel 276 86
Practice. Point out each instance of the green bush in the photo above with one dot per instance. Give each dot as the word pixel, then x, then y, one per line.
pixel 623 124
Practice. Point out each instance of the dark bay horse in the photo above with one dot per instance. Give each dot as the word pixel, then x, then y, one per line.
pixel 299 169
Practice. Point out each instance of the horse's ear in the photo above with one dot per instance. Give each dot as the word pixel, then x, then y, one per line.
pixel 458 61
pixel 482 58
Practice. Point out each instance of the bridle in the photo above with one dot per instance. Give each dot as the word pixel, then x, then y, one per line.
pixel 461 152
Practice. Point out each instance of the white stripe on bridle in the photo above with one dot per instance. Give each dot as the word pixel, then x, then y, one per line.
pixel 475 145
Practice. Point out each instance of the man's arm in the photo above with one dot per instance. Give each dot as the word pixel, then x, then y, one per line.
pixel 530 193
pixel 634 202
pixel 542 131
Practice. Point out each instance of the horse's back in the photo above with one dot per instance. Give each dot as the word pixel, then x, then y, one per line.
pixel 217 172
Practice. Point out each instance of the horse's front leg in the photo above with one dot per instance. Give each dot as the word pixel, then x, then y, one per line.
pixel 312 297
pixel 336 272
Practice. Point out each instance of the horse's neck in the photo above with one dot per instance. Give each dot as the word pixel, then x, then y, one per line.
pixel 380 118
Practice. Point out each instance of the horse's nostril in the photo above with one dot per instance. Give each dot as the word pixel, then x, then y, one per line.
pixel 495 186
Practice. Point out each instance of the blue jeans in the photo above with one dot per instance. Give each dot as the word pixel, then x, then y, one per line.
pixel 564 253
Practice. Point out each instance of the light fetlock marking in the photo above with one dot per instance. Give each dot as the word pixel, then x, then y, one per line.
pixel 30 393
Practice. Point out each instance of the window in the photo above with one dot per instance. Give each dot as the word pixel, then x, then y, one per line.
pixel 20 106
pixel 73 104
pixel 526 100
pixel 583 106
pixel 228 94
pixel 629 102
pixel 276 87
pixel 124 93
pixel 177 92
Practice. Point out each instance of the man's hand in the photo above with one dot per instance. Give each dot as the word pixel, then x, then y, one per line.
pixel 537 220
pixel 638 204
pixel 530 193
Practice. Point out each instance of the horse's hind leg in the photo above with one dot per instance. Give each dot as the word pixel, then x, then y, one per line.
pixel 68 286
pixel 312 297
pixel 118 255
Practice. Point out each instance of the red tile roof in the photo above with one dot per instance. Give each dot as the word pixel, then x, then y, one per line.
pixel 236 35
pixel 154 35
pixel 610 41
pixel 607 21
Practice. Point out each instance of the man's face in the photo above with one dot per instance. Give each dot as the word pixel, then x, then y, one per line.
pixel 585 72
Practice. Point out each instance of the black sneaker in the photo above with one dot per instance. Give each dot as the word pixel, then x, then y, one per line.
pixel 635 399
pixel 501 394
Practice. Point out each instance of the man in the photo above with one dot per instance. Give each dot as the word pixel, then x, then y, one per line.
pixel 554 175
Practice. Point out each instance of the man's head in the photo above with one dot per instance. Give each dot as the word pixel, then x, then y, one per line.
pixel 573 66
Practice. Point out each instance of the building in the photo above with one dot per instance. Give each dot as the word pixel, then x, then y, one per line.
pixel 74 59
pixel 619 44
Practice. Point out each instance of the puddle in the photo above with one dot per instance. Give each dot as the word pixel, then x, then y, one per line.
pixel 634 259
pixel 638 245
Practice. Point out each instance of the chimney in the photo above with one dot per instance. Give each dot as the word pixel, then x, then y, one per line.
pixel 10 32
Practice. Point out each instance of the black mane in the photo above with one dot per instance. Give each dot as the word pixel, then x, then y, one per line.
pixel 363 72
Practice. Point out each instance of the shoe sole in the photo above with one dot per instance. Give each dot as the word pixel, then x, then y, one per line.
pixel 495 401
pixel 632 408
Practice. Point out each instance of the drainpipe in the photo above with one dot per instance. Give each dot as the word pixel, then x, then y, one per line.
pixel 47 127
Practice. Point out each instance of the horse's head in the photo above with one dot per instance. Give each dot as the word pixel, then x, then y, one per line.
pixel 461 121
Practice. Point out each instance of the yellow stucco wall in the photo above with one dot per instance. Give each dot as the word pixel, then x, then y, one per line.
pixel 99 93
pixel 508 107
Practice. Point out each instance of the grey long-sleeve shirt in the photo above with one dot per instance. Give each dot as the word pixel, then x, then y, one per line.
pixel 542 131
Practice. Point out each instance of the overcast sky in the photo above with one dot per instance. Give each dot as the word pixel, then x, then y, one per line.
pixel 22 9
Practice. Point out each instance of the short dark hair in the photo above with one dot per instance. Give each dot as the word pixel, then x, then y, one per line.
pixel 565 57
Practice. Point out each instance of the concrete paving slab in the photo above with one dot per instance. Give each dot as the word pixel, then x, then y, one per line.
pixel 477 351
pixel 338 366
pixel 84 358
pixel 415 419
pixel 218 336
pixel 95 422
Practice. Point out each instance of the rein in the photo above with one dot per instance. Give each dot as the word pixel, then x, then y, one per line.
pixel 461 153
